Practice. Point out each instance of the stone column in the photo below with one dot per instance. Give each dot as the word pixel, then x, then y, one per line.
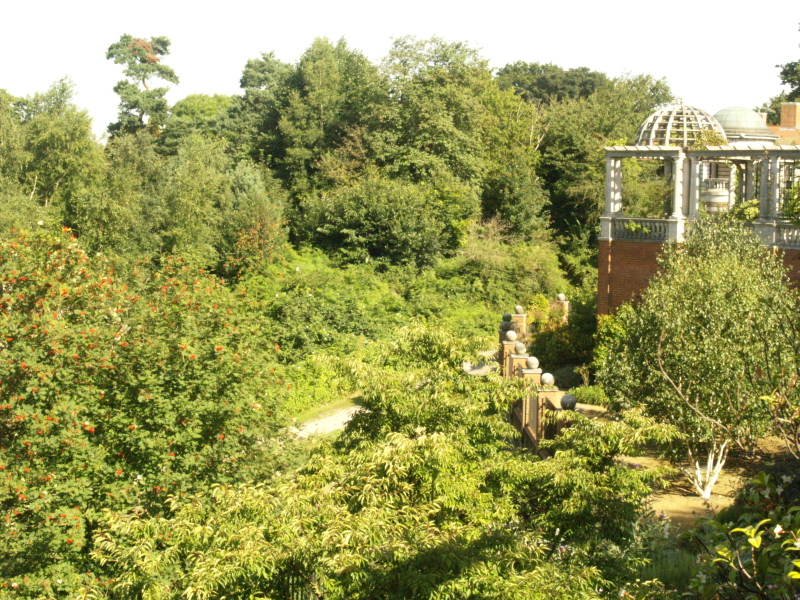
pixel 749 180
pixel 763 190
pixel 609 186
pixel 694 187
pixel 775 187
pixel 677 192
pixel 617 186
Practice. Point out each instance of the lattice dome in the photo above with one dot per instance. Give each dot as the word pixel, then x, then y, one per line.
pixel 676 125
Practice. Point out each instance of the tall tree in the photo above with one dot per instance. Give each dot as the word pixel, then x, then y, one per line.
pixel 790 75
pixel 550 83
pixel 48 150
pixel 140 105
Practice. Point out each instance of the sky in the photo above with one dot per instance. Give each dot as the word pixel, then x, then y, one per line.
pixel 713 54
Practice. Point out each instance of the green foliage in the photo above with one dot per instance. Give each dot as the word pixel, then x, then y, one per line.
pixel 590 394
pixel 420 498
pixel 756 555
pixel 503 271
pixel 141 108
pixel 390 221
pixel 116 395
pixel 321 308
pixel 773 108
pixel 197 114
pixel 559 340
pixel 196 203
pixel 692 350
pixel 58 157
pixel 550 83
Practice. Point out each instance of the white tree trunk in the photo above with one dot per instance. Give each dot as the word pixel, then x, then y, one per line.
pixel 704 477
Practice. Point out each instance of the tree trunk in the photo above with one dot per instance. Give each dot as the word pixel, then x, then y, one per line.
pixel 703 478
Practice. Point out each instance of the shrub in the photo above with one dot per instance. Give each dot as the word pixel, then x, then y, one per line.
pixel 756 555
pixel 590 394
pixel 116 395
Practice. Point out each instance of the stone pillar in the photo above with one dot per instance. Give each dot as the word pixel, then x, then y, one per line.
pixel 694 187
pixel 775 187
pixel 505 351
pixel 677 192
pixel 617 204
pixel 749 180
pixel 763 191
pixel 519 323
pixel 532 375
pixel 516 362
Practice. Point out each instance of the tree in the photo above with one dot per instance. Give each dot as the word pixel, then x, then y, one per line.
pixel 390 220
pixel 141 107
pixel 773 108
pixel 49 156
pixel 197 114
pixel 438 90
pixel 332 91
pixel 790 75
pixel 550 83
pixel 692 351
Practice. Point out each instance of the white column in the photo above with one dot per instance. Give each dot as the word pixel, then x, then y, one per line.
pixel 617 194
pixel 609 186
pixel 694 187
pixel 775 187
pixel 749 180
pixel 677 195
pixel 763 190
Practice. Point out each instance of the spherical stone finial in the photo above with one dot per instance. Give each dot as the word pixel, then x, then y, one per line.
pixel 506 316
pixel 519 348
pixel 568 402
pixel 505 325
pixel 548 380
pixel 561 297
pixel 532 362
pixel 519 309
pixel 511 336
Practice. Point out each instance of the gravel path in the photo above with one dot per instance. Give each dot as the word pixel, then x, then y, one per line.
pixel 327 423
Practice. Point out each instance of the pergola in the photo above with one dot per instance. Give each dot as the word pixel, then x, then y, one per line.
pixel 762 176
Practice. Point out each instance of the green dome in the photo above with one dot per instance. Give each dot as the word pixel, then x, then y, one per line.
pixel 743 123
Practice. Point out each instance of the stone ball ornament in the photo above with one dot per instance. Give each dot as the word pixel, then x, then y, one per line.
pixel 519 309
pixel 548 380
pixel 511 336
pixel 561 298
pixel 506 316
pixel 519 348
pixel 532 362
pixel 569 402
pixel 505 325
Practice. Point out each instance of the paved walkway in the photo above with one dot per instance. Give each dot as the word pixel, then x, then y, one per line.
pixel 328 422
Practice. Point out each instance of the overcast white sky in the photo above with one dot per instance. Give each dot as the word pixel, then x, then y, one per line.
pixel 713 54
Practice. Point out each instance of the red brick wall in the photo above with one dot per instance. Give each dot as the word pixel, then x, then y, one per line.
pixel 625 269
pixel 791 259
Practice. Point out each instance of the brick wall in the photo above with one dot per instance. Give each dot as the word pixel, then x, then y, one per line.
pixel 791 259
pixel 625 269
